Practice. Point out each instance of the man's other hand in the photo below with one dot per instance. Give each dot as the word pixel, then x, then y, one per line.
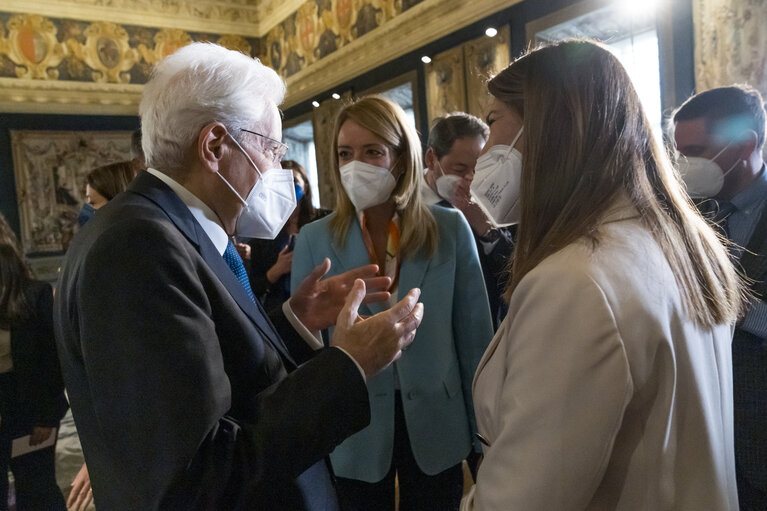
pixel 377 341
pixel 317 301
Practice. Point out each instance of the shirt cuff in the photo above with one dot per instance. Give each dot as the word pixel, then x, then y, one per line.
pixel 755 321
pixel 313 339
pixel 488 247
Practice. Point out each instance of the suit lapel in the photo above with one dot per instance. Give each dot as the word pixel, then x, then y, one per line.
pixel 158 192
pixel 411 274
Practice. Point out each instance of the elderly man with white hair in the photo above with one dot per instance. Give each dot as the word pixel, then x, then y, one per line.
pixel 186 396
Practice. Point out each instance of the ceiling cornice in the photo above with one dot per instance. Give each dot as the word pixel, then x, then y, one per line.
pixel 426 22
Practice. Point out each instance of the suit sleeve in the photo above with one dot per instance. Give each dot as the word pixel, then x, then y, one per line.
pixel 565 385
pixel 472 325
pixel 160 391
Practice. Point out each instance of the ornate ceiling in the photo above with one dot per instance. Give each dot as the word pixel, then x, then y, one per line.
pixel 251 18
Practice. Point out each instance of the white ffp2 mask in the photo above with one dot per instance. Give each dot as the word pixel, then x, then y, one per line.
pixel 269 204
pixel 497 184
pixel 366 185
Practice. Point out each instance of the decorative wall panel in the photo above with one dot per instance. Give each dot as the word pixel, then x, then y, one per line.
pixel 50 169
pixel 456 79
pixel 730 43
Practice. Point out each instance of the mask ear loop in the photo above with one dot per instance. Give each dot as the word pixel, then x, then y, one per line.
pixel 516 138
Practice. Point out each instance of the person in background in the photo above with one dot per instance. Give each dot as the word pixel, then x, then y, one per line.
pixel 102 184
pixel 609 384
pixel 31 388
pixel 721 132
pixel 455 141
pixel 422 421
pixel 270 260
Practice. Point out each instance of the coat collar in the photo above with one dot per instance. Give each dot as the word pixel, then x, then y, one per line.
pixel 161 194
pixel 354 254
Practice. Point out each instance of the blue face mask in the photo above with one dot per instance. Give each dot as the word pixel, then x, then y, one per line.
pixel 299 192
pixel 86 213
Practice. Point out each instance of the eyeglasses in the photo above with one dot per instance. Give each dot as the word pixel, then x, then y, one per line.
pixel 276 150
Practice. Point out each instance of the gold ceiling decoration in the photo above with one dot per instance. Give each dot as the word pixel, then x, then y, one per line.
pixel 107 52
pixel 32 45
pixel 166 41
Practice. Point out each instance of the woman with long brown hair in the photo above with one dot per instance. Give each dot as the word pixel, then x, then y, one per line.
pixel 422 423
pixel 609 384
pixel 31 388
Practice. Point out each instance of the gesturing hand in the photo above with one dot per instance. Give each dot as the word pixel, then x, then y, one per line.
pixel 377 341
pixel 317 301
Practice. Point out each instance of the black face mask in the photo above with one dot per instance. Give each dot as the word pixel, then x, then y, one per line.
pixel 86 213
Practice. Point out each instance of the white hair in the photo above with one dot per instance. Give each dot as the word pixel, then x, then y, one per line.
pixel 199 84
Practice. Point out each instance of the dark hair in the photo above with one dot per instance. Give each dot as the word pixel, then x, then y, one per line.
pixel 306 211
pixel 112 179
pixel 725 108
pixel 14 273
pixel 136 151
pixel 446 130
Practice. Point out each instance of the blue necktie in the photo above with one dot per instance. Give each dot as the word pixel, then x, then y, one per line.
pixel 232 259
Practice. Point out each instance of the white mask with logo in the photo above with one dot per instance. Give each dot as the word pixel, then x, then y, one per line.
pixel 703 177
pixel 269 204
pixel 366 185
pixel 447 185
pixel 496 187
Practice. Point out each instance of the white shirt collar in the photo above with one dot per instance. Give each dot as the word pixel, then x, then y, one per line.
pixel 429 196
pixel 205 216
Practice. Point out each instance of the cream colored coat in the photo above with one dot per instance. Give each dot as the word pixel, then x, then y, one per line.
pixel 597 393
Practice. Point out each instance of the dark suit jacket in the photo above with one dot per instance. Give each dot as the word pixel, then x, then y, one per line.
pixel 494 269
pixel 35 363
pixel 183 393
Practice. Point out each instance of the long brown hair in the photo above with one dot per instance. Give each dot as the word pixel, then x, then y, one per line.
pixel 387 121
pixel 588 141
pixel 14 274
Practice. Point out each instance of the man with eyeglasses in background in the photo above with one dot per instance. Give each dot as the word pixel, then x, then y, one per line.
pixel 186 396
pixel 720 133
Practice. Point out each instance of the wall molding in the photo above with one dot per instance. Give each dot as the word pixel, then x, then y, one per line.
pixel 426 22
pixel 64 97
pixel 138 12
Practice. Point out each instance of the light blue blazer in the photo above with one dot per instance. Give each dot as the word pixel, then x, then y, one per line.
pixel 436 371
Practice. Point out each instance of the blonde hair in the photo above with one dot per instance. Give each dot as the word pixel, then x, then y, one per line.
pixel 588 141
pixel 387 121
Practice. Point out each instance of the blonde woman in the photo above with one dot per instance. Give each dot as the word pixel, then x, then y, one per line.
pixel 609 384
pixel 422 423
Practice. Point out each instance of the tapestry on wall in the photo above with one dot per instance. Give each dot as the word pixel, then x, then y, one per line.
pixel 50 169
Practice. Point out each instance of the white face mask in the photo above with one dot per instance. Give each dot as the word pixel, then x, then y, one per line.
pixel 496 187
pixel 366 185
pixel 269 203
pixel 447 184
pixel 703 177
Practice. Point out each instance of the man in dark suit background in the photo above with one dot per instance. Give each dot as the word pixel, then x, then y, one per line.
pixel 455 141
pixel 184 393
pixel 721 133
